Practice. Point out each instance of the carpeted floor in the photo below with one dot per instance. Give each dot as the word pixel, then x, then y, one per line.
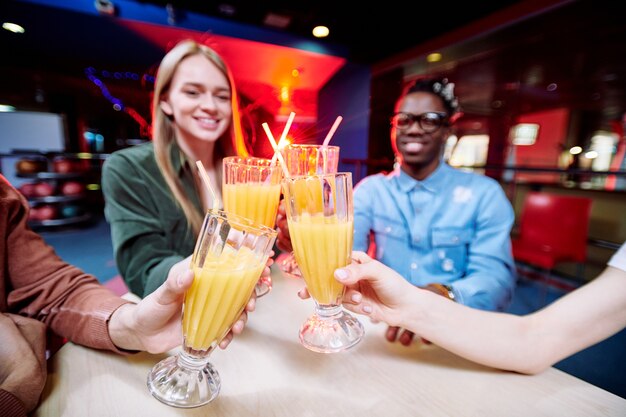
pixel 603 365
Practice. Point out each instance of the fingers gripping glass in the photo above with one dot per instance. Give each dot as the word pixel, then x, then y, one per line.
pixel 428 122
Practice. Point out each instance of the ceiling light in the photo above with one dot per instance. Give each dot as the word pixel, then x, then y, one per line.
pixel 227 9
pixel 277 20
pixel 6 108
pixel 320 31
pixel 575 150
pixel 13 27
pixel 434 57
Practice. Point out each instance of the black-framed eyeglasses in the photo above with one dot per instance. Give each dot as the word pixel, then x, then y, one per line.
pixel 428 122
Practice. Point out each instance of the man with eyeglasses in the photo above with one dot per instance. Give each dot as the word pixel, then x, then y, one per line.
pixel 439 227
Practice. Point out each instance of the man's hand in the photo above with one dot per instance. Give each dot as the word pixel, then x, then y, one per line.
pixel 22 358
pixel 394 333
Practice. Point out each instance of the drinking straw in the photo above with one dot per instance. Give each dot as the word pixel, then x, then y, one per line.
pixel 330 134
pixel 276 150
pixel 292 115
pixel 207 183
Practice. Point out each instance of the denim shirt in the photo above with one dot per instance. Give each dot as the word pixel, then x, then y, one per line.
pixel 451 228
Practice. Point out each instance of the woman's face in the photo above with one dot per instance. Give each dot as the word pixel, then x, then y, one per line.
pixel 198 101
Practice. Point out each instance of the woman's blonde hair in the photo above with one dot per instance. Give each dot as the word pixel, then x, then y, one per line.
pixel 163 134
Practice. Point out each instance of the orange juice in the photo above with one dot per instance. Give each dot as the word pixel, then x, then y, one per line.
pixel 256 201
pixel 321 245
pixel 220 290
pixel 308 197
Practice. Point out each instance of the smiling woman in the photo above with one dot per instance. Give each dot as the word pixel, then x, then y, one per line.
pixel 154 197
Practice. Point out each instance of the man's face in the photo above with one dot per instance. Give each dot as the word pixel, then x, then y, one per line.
pixel 420 148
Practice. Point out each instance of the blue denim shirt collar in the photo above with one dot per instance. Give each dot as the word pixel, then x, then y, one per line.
pixel 432 183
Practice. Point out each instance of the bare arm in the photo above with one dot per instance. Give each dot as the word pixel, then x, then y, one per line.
pixel 526 344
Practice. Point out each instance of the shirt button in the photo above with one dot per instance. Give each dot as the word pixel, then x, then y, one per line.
pixel 387 229
pixel 447 265
pixel 455 239
pixel 413 265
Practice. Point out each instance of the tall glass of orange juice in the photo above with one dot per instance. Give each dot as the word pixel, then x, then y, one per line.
pixel 230 254
pixel 251 188
pixel 307 159
pixel 320 218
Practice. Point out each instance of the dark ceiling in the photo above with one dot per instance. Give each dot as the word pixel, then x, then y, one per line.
pixel 558 53
pixel 372 32
pixel 61 41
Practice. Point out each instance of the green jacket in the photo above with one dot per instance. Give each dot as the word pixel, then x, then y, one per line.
pixel 148 228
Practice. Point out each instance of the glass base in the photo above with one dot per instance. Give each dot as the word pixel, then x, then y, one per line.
pixel 263 286
pixel 289 266
pixel 331 329
pixel 184 381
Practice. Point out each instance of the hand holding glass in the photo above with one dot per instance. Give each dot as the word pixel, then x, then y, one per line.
pixel 230 254
pixel 320 218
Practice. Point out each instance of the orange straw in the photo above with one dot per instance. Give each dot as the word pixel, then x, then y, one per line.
pixel 276 150
pixel 207 183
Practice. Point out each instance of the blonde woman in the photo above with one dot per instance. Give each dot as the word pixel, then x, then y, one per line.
pixel 154 198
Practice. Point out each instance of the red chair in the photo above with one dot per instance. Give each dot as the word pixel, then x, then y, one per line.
pixel 553 229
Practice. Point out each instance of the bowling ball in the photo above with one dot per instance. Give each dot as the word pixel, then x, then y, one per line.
pixel 30 166
pixel 43 189
pixel 71 211
pixel 62 165
pixel 72 188
pixel 44 212
pixel 33 214
pixel 28 189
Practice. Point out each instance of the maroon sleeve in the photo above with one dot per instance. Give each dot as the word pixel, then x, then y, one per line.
pixel 37 283
pixel 10 405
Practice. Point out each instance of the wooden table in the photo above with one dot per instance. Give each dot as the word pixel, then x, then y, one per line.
pixel 266 372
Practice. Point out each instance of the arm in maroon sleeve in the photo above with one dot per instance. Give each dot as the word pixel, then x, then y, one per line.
pixel 36 283
pixel 10 405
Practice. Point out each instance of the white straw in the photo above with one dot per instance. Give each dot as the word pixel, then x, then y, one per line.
pixel 276 150
pixel 324 149
pixel 207 182
pixel 331 132
pixel 292 115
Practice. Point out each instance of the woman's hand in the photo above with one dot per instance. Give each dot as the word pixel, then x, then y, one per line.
pixel 375 290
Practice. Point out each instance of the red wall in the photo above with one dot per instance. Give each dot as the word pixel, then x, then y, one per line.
pixel 548 146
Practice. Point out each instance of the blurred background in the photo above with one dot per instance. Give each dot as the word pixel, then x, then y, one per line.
pixel 541 84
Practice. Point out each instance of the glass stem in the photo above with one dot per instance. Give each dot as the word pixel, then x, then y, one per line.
pixel 327 311
pixel 195 363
